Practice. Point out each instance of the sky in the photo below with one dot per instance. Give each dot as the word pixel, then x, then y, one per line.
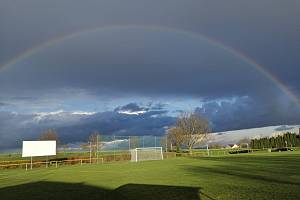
pixel 132 67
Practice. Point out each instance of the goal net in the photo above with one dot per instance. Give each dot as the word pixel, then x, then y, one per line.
pixel 149 153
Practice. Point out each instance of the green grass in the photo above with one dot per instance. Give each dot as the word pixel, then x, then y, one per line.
pixel 247 176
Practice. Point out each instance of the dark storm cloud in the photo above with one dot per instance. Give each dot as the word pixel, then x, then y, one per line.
pixel 247 113
pixel 76 128
pixel 151 62
pixel 142 56
pixel 131 107
pixel 150 107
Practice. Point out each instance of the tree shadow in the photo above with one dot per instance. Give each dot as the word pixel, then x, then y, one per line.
pixel 74 191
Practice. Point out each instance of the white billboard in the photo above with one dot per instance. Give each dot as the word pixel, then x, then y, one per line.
pixel 39 148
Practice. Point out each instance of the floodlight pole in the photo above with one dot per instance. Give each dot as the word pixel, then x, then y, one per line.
pixel 129 142
pixel 90 152
pixel 97 149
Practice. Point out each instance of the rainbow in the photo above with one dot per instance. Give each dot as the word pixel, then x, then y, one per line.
pixel 261 69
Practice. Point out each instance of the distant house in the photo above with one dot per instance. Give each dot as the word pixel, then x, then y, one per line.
pixel 233 146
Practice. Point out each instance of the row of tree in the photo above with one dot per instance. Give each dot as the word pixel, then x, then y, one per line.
pixel 285 140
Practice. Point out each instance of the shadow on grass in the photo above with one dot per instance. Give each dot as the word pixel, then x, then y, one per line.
pixel 239 172
pixel 261 168
pixel 74 191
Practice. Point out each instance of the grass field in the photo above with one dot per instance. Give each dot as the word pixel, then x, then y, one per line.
pixel 250 176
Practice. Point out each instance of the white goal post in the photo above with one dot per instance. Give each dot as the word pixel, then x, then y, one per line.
pixel 148 153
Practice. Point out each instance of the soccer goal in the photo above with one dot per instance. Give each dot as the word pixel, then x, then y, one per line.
pixel 149 153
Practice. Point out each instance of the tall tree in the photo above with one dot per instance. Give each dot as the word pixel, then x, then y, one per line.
pixel 175 137
pixel 49 134
pixel 195 129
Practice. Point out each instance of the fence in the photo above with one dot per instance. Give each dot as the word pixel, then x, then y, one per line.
pixel 25 164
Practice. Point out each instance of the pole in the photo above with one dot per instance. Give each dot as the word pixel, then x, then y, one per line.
pixel 31 162
pixel 166 144
pixel 129 142
pixel 90 152
pixel 114 147
pixel 135 154
pixel 207 149
pixel 97 149
pixel 143 142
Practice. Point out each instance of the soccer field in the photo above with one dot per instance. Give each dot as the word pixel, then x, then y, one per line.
pixel 253 176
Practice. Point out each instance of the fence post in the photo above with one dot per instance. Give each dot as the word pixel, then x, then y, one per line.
pixel 26 166
pixel 80 162
pixel 56 164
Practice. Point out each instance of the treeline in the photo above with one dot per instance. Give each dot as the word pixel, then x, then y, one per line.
pixel 285 140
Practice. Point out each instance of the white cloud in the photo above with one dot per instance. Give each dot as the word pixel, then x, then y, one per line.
pixel 129 112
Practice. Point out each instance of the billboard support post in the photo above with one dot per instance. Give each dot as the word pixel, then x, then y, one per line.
pixel 31 162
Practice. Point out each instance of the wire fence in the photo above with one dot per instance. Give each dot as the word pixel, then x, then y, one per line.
pixel 96 150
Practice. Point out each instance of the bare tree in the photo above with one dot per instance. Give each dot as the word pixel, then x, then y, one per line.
pixel 175 137
pixel 194 128
pixel 49 134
